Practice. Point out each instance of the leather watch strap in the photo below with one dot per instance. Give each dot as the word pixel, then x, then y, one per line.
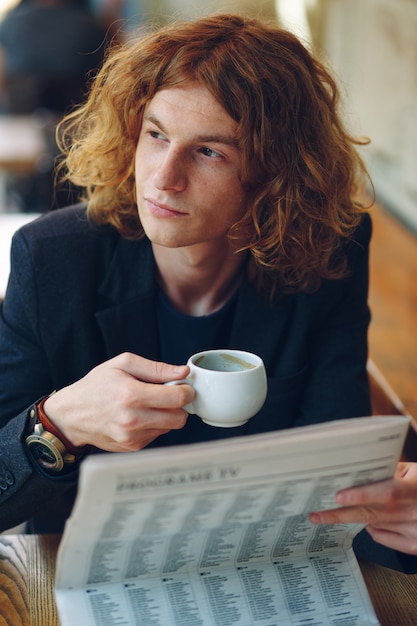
pixel 51 428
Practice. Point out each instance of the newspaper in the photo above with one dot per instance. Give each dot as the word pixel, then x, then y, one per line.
pixel 217 534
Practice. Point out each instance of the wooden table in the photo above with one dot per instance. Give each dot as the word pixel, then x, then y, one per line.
pixel 27 565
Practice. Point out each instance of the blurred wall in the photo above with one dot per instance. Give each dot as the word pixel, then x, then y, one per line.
pixel 372 45
pixel 196 8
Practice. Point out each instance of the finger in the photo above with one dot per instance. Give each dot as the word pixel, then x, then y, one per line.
pixel 146 405
pixel 379 493
pixel 148 370
pixel 376 515
pixel 396 538
pixel 135 433
pixel 407 472
pixel 111 445
pixel 392 535
pixel 137 396
pixel 401 470
pixel 345 515
pixel 157 419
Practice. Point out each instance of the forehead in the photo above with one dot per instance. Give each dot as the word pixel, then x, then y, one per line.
pixel 190 105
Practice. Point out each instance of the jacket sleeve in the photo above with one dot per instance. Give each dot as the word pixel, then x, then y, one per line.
pixel 24 377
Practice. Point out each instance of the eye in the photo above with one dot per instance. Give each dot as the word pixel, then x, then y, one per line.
pixel 209 152
pixel 155 134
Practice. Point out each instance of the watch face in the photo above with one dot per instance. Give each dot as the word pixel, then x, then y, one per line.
pixel 45 453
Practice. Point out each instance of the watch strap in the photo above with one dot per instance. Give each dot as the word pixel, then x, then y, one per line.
pixel 51 428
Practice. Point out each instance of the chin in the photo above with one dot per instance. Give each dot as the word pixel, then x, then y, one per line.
pixel 166 241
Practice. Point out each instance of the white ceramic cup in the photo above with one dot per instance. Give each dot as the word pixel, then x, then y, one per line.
pixel 230 386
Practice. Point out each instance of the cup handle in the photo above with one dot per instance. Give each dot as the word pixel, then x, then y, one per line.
pixel 184 381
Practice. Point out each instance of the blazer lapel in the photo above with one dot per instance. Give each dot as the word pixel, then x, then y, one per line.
pixel 128 317
pixel 260 326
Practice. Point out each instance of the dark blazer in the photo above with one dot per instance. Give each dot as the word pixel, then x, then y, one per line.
pixel 79 294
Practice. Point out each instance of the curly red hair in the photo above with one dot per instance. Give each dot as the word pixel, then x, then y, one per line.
pixel 301 167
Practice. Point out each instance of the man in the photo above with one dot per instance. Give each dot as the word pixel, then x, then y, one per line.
pixel 220 187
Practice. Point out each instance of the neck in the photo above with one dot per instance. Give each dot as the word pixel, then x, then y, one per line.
pixel 197 282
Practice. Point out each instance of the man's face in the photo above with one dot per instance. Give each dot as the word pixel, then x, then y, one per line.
pixel 188 169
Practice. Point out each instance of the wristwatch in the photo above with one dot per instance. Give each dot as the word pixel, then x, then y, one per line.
pixel 49 449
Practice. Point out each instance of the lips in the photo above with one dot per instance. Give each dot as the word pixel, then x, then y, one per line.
pixel 159 209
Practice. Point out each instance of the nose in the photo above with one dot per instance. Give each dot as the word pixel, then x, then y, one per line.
pixel 170 173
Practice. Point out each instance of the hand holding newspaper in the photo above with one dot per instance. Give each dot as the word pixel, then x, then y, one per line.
pixel 217 534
